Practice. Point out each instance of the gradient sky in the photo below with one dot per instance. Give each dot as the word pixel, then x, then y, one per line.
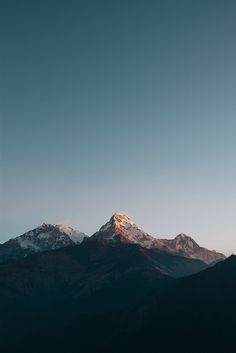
pixel 119 106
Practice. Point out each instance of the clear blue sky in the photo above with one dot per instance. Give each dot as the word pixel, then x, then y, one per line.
pixel 120 106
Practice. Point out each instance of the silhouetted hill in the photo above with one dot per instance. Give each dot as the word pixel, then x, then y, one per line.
pixel 79 270
pixel 98 297
pixel 197 313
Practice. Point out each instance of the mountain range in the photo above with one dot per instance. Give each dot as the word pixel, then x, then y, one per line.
pixel 120 228
pixel 119 290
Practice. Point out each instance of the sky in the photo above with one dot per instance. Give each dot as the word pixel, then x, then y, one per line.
pixel 125 106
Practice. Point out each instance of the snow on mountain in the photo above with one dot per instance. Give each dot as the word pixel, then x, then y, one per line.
pixel 121 228
pixel 43 238
pixel 184 245
pixel 74 234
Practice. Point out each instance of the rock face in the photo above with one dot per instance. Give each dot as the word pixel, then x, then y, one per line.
pixel 121 228
pixel 43 238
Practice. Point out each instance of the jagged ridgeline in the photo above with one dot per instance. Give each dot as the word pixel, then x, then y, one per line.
pixel 120 228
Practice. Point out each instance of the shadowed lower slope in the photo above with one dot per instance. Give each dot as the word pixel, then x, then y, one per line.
pixel 123 298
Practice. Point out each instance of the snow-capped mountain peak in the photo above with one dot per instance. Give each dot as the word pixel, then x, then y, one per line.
pixel 74 233
pixel 53 231
pixel 183 241
pixel 117 222
pixel 121 228
pixel 45 237
pixel 186 246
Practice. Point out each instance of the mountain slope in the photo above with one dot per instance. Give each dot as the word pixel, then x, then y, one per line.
pixel 51 291
pixel 190 315
pixel 99 297
pixel 201 306
pixel 89 266
pixel 46 237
